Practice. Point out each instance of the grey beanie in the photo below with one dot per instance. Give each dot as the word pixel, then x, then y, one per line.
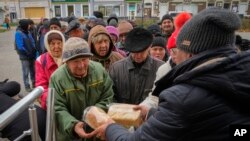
pixel 159 41
pixel 75 47
pixel 211 28
pixel 113 23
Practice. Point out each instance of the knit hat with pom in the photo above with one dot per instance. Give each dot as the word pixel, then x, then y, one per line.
pixel 211 28
pixel 180 20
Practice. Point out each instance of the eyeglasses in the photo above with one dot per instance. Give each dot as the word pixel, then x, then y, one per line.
pixel 174 50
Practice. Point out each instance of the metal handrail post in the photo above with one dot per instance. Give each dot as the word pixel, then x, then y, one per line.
pixel 50 122
pixel 25 133
pixel 33 123
pixel 15 110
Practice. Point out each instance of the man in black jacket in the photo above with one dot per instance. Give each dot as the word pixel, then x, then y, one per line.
pixel 205 94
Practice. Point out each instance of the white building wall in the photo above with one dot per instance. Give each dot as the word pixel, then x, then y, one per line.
pixel 163 8
pixel 243 8
pixel 193 8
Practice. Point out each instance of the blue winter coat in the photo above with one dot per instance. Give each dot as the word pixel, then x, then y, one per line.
pixel 25 45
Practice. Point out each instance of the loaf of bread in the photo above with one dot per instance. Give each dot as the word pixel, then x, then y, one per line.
pixel 125 115
pixel 95 116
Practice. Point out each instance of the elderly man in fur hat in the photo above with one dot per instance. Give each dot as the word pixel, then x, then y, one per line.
pixel 134 76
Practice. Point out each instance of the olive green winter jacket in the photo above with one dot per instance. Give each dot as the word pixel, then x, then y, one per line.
pixel 73 95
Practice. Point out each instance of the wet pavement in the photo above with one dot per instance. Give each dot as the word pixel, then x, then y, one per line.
pixel 10 65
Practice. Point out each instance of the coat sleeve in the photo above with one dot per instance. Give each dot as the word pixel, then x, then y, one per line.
pixel 114 80
pixel 64 120
pixel 107 94
pixel 42 80
pixel 19 42
pixel 167 123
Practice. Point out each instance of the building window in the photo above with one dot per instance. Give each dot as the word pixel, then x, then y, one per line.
pixel 85 10
pixel 70 10
pixel 210 5
pixel 102 9
pixel 156 5
pixel 131 11
pixel 219 4
pixel 108 10
pixel 227 5
pixel 57 11
pixel 117 10
pixel 235 6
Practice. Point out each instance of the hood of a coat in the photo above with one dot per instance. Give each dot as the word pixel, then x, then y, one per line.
pixel 221 71
pixel 58 60
pixel 46 38
pixel 93 33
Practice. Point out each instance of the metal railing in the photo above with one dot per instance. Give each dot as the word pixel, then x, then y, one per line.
pixel 50 121
pixel 10 114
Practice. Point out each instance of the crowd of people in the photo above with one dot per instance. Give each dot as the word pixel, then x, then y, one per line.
pixel 189 76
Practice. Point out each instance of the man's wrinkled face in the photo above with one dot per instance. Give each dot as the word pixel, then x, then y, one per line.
pixel 76 33
pixel 167 26
pixel 78 66
pixel 139 57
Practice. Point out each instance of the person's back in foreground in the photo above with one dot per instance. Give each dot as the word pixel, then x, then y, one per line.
pixel 205 94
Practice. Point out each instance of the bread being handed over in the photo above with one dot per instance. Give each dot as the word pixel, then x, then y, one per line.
pixel 125 115
pixel 95 116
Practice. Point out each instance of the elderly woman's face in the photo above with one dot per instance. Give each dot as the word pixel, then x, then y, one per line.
pixel 101 44
pixel 55 47
pixel 158 52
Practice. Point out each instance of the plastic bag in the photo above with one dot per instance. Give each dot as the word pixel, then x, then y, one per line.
pixel 94 116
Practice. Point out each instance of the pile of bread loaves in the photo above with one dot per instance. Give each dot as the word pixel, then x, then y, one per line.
pixel 123 114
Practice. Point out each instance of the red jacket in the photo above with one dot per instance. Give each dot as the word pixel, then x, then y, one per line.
pixel 45 66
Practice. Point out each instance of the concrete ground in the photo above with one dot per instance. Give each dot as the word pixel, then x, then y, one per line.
pixel 10 65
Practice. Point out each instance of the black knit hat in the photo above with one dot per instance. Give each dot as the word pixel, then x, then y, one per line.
pixel 154 29
pixel 98 14
pixel 138 39
pixel 55 21
pixel 211 28
pixel 112 16
pixel 24 24
pixel 159 41
pixel 167 16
